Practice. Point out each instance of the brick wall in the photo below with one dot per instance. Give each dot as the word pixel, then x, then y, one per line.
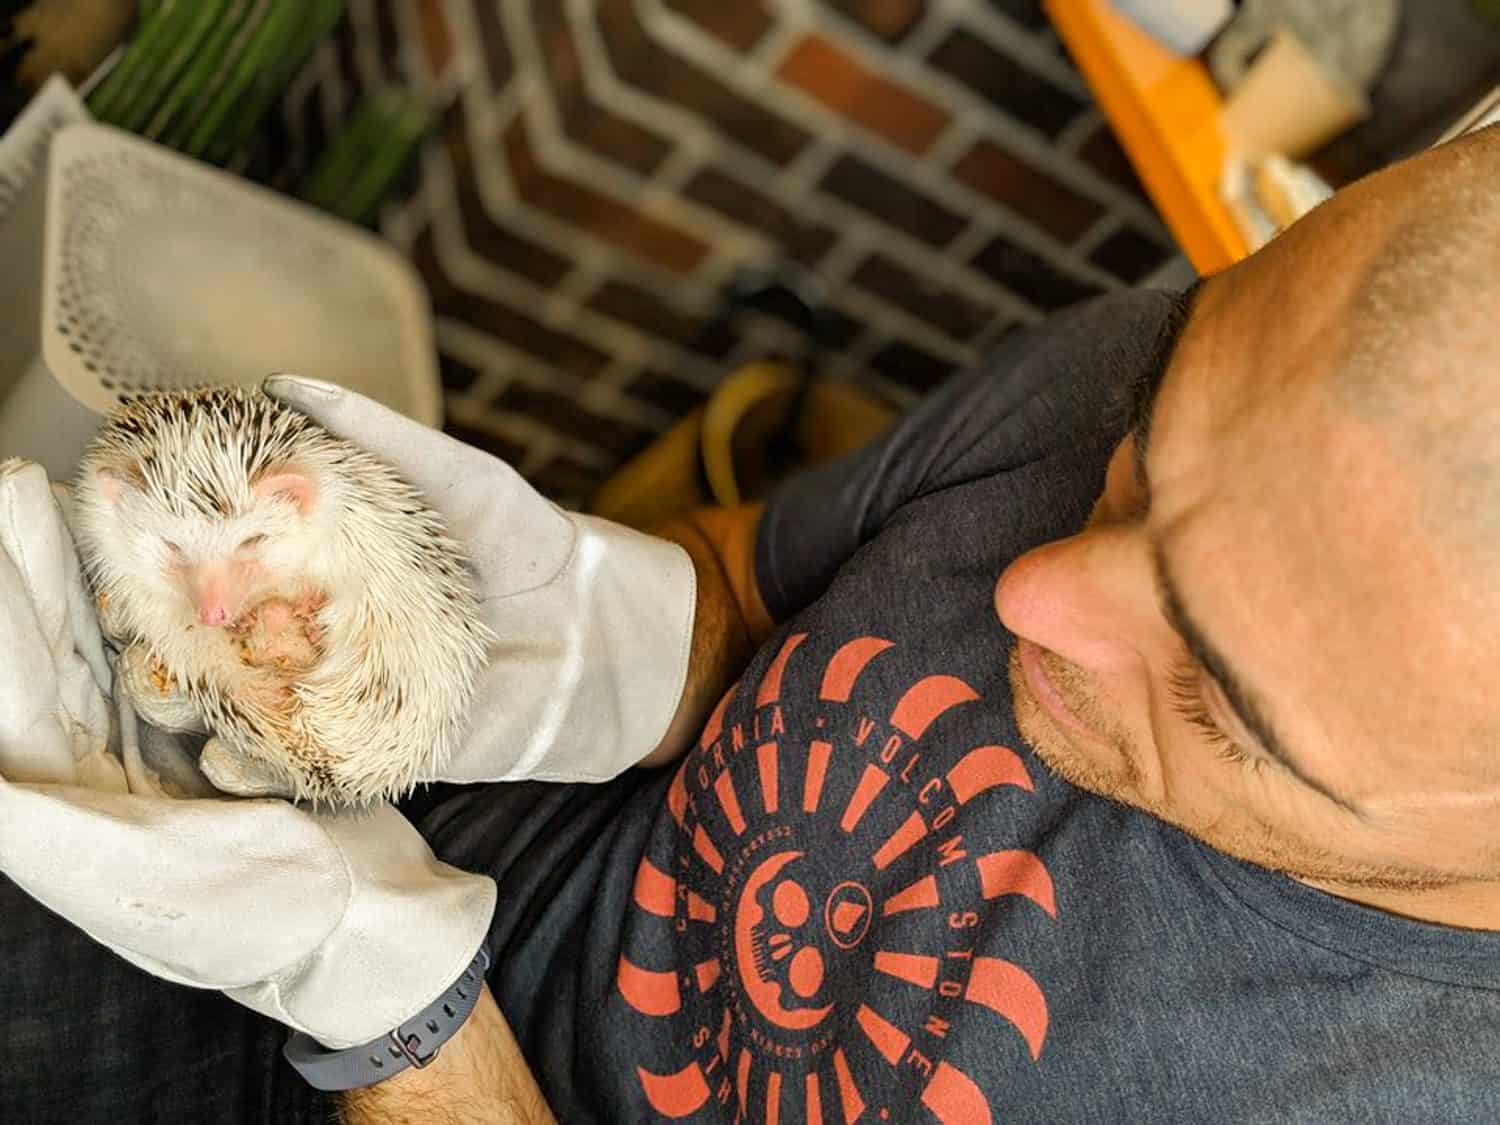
pixel 605 166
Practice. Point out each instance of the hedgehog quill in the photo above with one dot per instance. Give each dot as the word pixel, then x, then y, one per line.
pixel 279 589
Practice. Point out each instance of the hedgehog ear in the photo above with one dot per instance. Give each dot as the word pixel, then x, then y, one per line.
pixel 296 486
pixel 118 476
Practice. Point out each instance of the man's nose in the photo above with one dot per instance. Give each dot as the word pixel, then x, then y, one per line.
pixel 1090 598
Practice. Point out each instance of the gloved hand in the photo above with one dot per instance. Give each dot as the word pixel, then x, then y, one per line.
pixel 340 926
pixel 595 620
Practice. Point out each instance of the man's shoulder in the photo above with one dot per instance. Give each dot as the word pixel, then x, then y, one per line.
pixel 1085 361
pixel 1030 426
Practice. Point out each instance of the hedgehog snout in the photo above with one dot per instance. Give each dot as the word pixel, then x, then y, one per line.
pixel 219 591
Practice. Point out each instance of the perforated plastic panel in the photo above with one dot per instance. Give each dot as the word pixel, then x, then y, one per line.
pixel 162 272
pixel 23 148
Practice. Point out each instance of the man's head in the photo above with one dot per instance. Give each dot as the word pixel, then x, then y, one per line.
pixel 1280 629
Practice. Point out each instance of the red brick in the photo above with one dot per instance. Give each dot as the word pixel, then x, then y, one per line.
pixel 1015 88
pixel 604 217
pixel 740 23
pixel 486 439
pixel 1028 192
pixel 437 38
pixel 1028 13
pixel 642 62
pixel 911 366
pixel 805 241
pixel 515 328
pixel 566 480
pixel 1129 256
pixel 926 300
pixel 1102 152
pixel 387 35
pixel 346 51
pixel 840 327
pixel 457 376
pixel 840 81
pixel 499 63
pixel 562 415
pixel 504 247
pixel 1028 274
pixel 889 19
pixel 652 314
pixel 666 392
pixel 584 120
pixel 891 200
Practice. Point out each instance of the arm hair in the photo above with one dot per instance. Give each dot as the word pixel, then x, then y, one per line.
pixel 730 622
pixel 479 1077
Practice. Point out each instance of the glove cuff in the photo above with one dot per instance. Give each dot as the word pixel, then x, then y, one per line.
pixel 596 667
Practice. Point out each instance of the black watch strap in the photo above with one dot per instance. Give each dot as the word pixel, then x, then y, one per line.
pixel 414 1043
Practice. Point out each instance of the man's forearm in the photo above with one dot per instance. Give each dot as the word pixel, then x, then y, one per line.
pixel 480 1077
pixel 730 620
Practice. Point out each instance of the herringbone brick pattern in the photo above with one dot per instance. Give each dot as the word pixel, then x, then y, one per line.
pixel 605 166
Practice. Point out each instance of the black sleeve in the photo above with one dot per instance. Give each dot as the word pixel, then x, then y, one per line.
pixel 1069 379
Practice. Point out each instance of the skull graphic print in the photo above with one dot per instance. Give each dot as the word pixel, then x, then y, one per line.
pixel 815 932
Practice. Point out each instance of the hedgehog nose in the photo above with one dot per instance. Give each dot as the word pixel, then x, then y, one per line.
pixel 212 613
pixel 214 594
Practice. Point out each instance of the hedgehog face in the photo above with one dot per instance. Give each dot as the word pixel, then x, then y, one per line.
pixel 199 504
pixel 204 555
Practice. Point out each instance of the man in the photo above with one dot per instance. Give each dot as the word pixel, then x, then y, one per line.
pixel 1222 560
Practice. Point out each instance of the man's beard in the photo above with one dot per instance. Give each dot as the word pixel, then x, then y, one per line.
pixel 1119 781
pixel 1114 780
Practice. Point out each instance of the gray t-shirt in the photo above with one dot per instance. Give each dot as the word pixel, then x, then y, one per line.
pixel 861 897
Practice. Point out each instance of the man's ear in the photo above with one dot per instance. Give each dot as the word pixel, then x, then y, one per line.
pixel 117 476
pixel 289 482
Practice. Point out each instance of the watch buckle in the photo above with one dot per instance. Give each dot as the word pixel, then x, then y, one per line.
pixel 408 1044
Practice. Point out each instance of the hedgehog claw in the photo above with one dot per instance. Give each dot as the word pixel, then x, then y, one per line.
pixel 307 611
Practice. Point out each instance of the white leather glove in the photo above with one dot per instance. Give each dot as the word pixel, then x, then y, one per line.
pixel 594 620
pixel 340 926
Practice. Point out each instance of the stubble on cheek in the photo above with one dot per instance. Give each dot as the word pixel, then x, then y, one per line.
pixel 1111 772
pixel 1108 772
pixel 1110 769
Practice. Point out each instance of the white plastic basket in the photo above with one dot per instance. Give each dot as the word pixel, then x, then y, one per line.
pixel 158 271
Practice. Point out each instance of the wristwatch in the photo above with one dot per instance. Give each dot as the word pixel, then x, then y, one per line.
pixel 415 1043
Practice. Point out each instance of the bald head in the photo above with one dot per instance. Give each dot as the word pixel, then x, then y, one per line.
pixel 1383 306
pixel 1420 339
pixel 1433 273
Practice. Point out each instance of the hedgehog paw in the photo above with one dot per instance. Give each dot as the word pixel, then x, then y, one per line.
pixel 274 636
pixel 230 771
pixel 155 693
pixel 307 611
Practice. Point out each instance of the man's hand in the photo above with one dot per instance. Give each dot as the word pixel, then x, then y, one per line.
pixel 731 620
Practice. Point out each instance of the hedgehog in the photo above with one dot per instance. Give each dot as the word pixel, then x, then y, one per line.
pixel 280 589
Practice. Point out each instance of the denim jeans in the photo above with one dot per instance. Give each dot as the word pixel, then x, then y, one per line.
pixel 87 1037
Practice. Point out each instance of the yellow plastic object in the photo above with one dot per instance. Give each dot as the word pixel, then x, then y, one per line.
pixel 1166 111
pixel 719 454
pixel 737 418
pixel 661 481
